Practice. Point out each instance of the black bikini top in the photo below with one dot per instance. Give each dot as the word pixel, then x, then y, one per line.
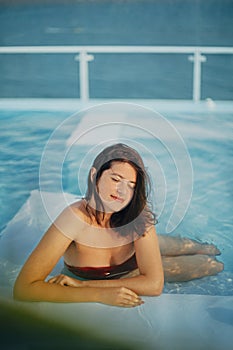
pixel 105 272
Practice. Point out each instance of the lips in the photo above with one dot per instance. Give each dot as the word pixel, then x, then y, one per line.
pixel 117 199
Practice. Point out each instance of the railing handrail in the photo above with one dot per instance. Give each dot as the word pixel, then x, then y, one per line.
pixel 84 58
pixel 116 49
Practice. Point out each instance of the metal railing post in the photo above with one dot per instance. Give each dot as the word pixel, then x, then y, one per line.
pixel 197 59
pixel 83 59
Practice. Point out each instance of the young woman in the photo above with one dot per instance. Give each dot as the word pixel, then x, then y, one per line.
pixel 112 254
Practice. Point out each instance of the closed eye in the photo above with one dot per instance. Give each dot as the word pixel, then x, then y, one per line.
pixel 118 179
pixel 132 185
pixel 115 179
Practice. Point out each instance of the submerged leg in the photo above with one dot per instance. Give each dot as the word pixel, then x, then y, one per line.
pixel 174 246
pixel 188 267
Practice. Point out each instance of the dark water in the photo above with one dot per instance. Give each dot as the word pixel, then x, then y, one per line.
pixel 163 22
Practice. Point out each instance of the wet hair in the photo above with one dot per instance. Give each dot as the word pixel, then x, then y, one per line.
pixel 137 216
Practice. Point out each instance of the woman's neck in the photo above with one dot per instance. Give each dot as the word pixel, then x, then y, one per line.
pixel 104 220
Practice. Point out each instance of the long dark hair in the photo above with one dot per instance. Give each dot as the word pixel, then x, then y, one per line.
pixel 137 216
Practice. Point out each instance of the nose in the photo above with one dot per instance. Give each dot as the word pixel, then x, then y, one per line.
pixel 121 187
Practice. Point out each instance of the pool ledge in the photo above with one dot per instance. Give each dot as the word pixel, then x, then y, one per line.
pixel 73 105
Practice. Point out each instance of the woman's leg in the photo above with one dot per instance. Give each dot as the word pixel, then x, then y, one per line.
pixel 185 259
pixel 175 246
pixel 188 267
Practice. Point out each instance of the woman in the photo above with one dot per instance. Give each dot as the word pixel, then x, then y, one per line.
pixel 112 254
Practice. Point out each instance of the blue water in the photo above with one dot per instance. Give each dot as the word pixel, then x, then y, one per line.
pixel 208 137
pixel 142 22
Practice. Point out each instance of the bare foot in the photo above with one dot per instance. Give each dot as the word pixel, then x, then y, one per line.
pixel 188 267
pixel 208 249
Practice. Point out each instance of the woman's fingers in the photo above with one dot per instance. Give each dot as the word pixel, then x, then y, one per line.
pixel 53 279
pixel 64 280
pixel 120 296
pixel 133 301
pixel 129 298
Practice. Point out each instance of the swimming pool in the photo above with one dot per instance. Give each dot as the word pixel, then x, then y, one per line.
pixel 35 142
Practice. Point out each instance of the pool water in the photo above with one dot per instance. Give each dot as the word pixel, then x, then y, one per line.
pixel 207 135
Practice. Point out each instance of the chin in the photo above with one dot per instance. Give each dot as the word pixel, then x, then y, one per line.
pixel 113 207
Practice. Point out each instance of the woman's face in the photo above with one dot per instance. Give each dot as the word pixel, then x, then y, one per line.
pixel 116 186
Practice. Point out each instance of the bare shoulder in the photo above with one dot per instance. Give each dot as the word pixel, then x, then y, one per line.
pixel 76 209
pixel 150 232
pixel 149 238
pixel 72 219
pixel 79 209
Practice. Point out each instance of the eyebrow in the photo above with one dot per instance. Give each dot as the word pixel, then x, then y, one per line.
pixel 116 174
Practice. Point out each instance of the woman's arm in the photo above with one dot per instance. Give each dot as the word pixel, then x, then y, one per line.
pixel 31 283
pixel 150 280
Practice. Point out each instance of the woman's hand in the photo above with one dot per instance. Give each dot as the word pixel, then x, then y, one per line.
pixel 116 296
pixel 64 280
pixel 120 296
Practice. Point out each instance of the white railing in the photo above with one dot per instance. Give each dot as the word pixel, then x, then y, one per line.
pixel 85 54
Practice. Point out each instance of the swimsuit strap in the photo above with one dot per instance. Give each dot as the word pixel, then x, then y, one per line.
pixel 105 272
